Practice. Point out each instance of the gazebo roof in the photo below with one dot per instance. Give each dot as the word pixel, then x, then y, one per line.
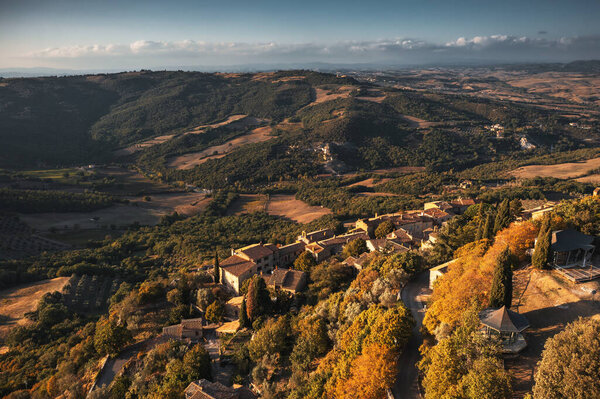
pixel 503 320
pixel 570 240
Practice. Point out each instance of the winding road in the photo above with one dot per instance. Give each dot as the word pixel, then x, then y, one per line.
pixel 406 386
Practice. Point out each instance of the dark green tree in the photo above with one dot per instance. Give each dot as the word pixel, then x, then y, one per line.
pixel 258 301
pixel 541 253
pixel 216 271
pixel 215 312
pixel 515 207
pixel 197 364
pixel 355 248
pixel 488 227
pixel 305 262
pixel 384 229
pixel 243 316
pixel 570 363
pixel 503 216
pixel 501 291
pixel 480 223
pixel 110 337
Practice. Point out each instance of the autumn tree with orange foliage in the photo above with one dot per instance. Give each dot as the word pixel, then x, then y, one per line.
pixel 469 278
pixel 372 373
pixel 386 328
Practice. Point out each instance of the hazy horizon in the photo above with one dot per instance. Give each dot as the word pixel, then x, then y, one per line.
pixel 110 35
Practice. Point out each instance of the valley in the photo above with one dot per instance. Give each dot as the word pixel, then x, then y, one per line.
pixel 318 203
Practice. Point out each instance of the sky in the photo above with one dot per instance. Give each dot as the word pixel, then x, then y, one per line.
pixel 125 35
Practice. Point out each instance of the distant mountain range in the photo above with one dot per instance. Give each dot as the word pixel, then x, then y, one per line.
pixel 583 66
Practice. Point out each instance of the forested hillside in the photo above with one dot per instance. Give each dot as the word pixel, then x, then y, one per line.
pixel 78 119
pixel 58 121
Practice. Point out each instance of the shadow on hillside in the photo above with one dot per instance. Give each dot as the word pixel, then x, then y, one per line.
pixel 544 324
pixel 548 321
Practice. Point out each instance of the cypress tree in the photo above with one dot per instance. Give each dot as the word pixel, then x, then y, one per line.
pixel 243 315
pixel 503 216
pixel 487 228
pixel 258 300
pixel 479 233
pixel 501 291
pixel 516 207
pixel 216 271
pixel 541 254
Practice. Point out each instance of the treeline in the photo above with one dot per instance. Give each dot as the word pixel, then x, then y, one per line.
pixel 514 160
pixel 344 203
pixel 251 165
pixel 46 121
pixel 75 119
pixel 35 201
pixel 155 103
pixel 139 253
pixel 422 107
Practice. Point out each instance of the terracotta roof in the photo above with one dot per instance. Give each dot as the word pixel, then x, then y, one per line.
pixel 257 251
pixel 286 249
pixel 314 247
pixel 272 247
pixel 229 327
pixel 503 320
pixel 286 278
pixel 319 234
pixel 443 205
pixel 436 213
pixel 195 324
pixel 236 300
pixel 463 202
pixel 204 389
pixel 237 265
pixel 333 241
pixel 350 260
pixel 400 236
pixel 278 277
pixel 397 246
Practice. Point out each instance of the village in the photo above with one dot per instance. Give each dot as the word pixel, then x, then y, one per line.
pixel 414 230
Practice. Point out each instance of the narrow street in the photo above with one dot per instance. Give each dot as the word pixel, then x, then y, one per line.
pixel 406 386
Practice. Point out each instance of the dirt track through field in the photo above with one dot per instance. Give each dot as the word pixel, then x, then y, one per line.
pixel 288 206
pixel 15 302
pixel 561 170
pixel 188 161
pixel 328 95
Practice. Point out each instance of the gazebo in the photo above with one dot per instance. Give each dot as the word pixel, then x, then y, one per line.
pixel 507 326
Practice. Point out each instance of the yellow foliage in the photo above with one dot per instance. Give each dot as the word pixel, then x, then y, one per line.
pixel 469 278
pixel 519 237
pixel 364 280
pixel 372 373
pixel 475 248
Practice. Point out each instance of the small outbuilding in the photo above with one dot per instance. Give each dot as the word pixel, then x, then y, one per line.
pixel 571 248
pixel 506 325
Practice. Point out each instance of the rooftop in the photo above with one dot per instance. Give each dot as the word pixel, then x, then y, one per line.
pixel 204 389
pixel 257 251
pixel 237 265
pixel 286 278
pixel 570 240
pixel 503 320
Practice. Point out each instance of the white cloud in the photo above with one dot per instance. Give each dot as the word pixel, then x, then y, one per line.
pixel 495 47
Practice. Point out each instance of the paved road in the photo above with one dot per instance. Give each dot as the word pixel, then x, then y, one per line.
pixel 406 386
pixel 114 365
